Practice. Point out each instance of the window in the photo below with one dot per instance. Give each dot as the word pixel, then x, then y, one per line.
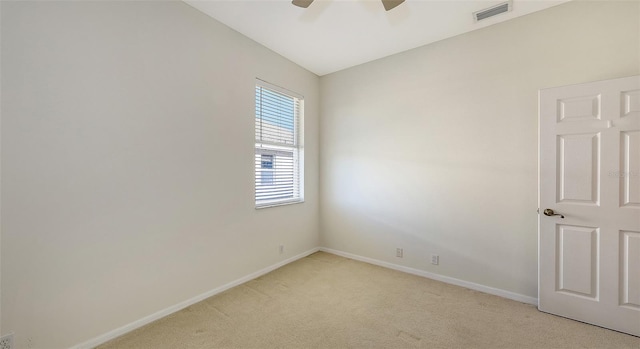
pixel 278 150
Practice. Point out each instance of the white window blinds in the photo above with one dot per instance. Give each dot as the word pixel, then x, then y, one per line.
pixel 278 154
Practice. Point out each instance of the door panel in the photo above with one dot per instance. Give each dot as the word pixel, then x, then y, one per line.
pixel 589 253
pixel 578 168
pixel 577 260
pixel 630 165
pixel 630 267
pixel 630 103
pixel 579 108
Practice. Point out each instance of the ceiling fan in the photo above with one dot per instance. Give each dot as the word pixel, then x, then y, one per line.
pixel 388 4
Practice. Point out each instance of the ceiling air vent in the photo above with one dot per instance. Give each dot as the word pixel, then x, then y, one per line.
pixel 492 11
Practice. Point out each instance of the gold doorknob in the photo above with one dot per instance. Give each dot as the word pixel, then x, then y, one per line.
pixel 549 212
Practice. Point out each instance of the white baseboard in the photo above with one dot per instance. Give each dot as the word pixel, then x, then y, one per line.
pixel 172 309
pixel 446 279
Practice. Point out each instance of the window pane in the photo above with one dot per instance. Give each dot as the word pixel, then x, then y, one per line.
pixel 275 117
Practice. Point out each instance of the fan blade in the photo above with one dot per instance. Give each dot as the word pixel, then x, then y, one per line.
pixel 391 4
pixel 303 3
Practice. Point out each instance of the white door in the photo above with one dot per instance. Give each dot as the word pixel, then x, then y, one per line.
pixel 589 261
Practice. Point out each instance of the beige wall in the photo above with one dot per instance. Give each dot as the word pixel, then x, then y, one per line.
pixel 124 190
pixel 127 164
pixel 434 150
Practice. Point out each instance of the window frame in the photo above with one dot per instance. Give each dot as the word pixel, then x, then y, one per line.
pixel 298 144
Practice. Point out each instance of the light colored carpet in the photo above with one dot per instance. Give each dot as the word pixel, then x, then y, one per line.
pixel 326 301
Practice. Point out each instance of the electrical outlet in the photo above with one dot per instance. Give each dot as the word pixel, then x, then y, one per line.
pixel 399 252
pixel 435 259
pixel 281 249
pixel 6 341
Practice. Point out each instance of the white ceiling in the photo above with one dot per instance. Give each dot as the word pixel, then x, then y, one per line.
pixel 332 35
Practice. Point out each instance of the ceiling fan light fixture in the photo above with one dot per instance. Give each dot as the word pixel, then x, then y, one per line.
pixel 388 4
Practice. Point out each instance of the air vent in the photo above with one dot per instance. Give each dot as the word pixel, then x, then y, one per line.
pixel 492 11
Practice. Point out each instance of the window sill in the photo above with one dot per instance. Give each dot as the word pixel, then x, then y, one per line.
pixel 279 203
